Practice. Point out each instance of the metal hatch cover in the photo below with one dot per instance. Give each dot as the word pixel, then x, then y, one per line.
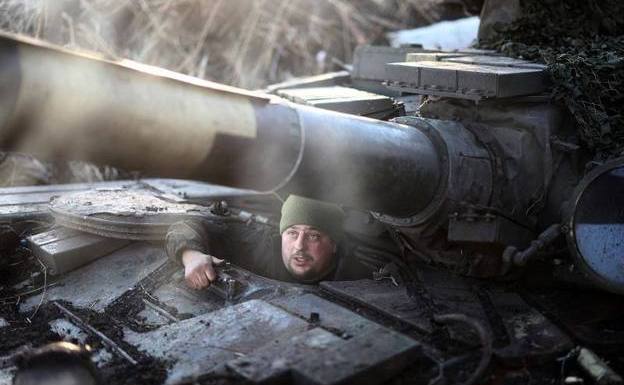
pixel 124 213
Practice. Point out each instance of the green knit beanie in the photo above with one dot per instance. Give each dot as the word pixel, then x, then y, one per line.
pixel 324 216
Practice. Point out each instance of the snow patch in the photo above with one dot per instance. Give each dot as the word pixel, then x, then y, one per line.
pixel 445 35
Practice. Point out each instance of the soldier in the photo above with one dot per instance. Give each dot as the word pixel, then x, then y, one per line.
pixel 310 235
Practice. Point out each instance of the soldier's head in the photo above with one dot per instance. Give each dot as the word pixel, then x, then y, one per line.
pixel 311 231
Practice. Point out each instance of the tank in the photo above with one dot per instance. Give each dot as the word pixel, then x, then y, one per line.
pixel 500 235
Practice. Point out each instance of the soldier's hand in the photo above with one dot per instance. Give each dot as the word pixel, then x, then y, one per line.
pixel 199 271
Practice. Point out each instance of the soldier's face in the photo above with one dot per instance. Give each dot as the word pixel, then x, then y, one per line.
pixel 307 253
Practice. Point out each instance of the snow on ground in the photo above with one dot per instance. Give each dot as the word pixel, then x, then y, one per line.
pixel 445 35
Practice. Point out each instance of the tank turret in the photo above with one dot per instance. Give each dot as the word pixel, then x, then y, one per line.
pixel 474 168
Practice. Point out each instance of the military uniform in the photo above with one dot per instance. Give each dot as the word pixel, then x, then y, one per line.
pixel 255 247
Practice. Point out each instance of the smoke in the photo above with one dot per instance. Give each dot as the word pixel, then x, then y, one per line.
pixel 238 42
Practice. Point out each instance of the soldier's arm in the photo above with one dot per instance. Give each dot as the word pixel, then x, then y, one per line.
pixel 188 242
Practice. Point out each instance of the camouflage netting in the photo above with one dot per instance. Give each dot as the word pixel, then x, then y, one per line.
pixel 582 42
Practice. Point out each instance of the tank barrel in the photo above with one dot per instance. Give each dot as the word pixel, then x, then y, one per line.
pixel 59 105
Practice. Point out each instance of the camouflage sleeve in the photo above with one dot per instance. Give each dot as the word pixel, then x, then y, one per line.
pixel 193 234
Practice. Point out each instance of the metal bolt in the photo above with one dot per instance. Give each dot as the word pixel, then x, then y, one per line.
pixel 230 288
pixel 571 380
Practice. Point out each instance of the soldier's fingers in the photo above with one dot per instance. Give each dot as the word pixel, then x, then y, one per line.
pixel 217 261
pixel 207 278
pixel 202 281
pixel 196 282
pixel 211 275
